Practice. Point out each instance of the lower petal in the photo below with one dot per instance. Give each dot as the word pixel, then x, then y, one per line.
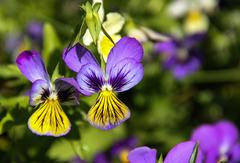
pixel 108 111
pixel 49 119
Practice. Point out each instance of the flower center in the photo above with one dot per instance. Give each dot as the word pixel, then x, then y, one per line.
pixel 53 96
pixel 123 156
pixel 107 87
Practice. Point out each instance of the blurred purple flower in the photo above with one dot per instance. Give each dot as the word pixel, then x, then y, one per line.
pixel 77 159
pixel 119 149
pixel 34 30
pixel 218 141
pixel 181 153
pixel 181 56
pixel 15 42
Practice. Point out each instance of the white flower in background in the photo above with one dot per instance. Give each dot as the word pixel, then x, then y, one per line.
pixel 194 13
pixel 113 24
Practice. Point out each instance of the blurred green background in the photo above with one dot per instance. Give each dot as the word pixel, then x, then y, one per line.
pixel 164 111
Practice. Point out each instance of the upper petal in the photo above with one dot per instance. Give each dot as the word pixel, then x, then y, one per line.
pixel 168 47
pixel 207 136
pixel 126 47
pixel 114 23
pixel 31 65
pixel 228 133
pixel 78 56
pixel 125 75
pixel 142 155
pixel 90 79
pixel 182 152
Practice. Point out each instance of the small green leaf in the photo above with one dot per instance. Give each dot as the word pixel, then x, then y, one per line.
pixel 50 41
pixel 160 160
pixel 194 154
pixel 6 123
pixel 56 73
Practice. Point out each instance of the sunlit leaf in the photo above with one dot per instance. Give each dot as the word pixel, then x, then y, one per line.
pixel 51 41
pixel 9 71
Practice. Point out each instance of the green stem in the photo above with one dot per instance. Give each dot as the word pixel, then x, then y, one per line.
pixel 216 76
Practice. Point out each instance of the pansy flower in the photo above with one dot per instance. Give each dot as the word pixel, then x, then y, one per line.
pixel 218 141
pixel 123 71
pixel 49 118
pixel 181 153
pixel 181 56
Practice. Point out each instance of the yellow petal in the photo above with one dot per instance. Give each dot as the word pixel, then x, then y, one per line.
pixel 49 119
pixel 108 111
pixel 105 45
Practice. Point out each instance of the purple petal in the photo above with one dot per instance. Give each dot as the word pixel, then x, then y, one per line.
pixel 77 159
pixel 212 156
pixel 31 65
pixel 125 48
pixel 228 133
pixel 192 40
pixel 68 90
pixel 235 153
pixel 125 144
pixel 35 30
pixel 182 152
pixel 125 75
pixel 181 70
pixel 169 47
pixel 39 88
pixel 142 155
pixel 90 79
pixel 207 136
pixel 101 158
pixel 78 56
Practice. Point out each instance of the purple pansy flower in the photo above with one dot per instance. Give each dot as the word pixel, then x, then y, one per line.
pixel 181 56
pixel 119 149
pixel 49 118
pixel 181 153
pixel 218 141
pixel 123 71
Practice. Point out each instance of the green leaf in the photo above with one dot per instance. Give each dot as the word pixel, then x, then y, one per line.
pixel 6 123
pixel 194 154
pixel 9 71
pixel 9 102
pixel 50 41
pixel 160 160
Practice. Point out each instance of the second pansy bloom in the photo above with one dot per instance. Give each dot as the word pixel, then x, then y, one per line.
pixel 123 71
